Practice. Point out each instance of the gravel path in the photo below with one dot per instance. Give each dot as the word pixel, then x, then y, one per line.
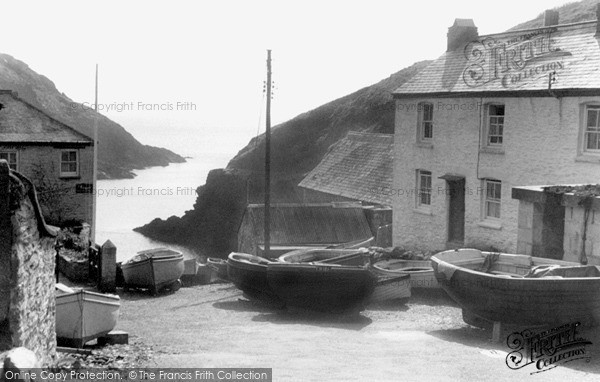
pixel 425 339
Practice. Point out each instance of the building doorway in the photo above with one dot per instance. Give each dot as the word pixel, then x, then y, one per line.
pixel 455 187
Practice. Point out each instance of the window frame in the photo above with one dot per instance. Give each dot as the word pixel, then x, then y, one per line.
pixel 487 127
pixel 486 200
pixel 420 204
pixel 69 174
pixel 421 121
pixel 16 162
pixel 585 132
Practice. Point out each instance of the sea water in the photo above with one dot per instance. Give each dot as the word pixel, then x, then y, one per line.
pixel 156 192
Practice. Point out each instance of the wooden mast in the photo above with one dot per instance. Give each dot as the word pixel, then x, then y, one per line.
pixel 95 169
pixel 267 212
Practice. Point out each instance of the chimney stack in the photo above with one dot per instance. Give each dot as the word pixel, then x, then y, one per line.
pixel 461 33
pixel 550 18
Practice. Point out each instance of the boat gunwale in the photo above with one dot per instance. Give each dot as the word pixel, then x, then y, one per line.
pixel 447 264
pixel 341 251
pixel 238 258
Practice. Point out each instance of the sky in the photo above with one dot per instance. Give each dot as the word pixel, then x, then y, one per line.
pixel 197 68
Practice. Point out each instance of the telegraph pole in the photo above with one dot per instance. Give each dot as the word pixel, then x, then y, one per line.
pixel 267 211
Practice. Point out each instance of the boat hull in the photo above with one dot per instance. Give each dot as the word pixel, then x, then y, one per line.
pixel 249 274
pixel 515 299
pixel 156 270
pixel 321 287
pixel 391 288
pixel 219 269
pixel 420 271
pixel 83 315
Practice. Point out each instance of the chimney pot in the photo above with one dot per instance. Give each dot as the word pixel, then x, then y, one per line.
pixel 550 18
pixel 461 32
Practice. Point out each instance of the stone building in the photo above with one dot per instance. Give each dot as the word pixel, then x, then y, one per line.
pixel 494 112
pixel 57 158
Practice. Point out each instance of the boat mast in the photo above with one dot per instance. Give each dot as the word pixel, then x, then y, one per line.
pixel 267 211
pixel 95 169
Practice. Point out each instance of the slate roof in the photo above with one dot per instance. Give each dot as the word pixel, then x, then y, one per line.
pixel 515 63
pixel 302 224
pixel 21 122
pixel 359 167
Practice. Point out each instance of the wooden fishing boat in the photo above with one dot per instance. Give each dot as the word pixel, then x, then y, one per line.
pixel 321 287
pixel 218 267
pixel 249 274
pixel 321 255
pixel 391 288
pixel 82 315
pixel 154 269
pixel 519 289
pixel 388 286
pixel 420 271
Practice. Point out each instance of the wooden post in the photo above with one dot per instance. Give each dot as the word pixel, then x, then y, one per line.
pixel 108 267
pixel 5 240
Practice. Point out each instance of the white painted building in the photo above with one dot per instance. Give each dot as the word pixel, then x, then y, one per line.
pixel 494 112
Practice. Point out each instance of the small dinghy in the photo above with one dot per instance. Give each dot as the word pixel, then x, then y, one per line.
pixel 392 288
pixel 420 271
pixel 82 315
pixel 154 269
pixel 218 268
pixel 519 289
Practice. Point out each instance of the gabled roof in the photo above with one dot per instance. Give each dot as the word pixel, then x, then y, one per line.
pixel 21 122
pixel 516 63
pixel 301 224
pixel 359 167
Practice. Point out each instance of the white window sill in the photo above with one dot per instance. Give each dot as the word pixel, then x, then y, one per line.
pixel 424 145
pixel 588 158
pixel 492 150
pixel 423 211
pixel 491 224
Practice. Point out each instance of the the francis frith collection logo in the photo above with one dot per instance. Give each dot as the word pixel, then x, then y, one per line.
pixel 514 61
pixel 547 349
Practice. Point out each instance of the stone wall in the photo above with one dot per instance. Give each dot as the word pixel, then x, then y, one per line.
pixel 541 145
pixel 30 322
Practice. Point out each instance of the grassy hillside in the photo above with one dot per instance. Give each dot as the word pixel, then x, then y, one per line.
pixel 569 13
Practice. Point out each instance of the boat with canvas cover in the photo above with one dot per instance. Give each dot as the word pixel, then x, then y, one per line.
pixel 154 269
pixel 519 289
pixel 83 315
